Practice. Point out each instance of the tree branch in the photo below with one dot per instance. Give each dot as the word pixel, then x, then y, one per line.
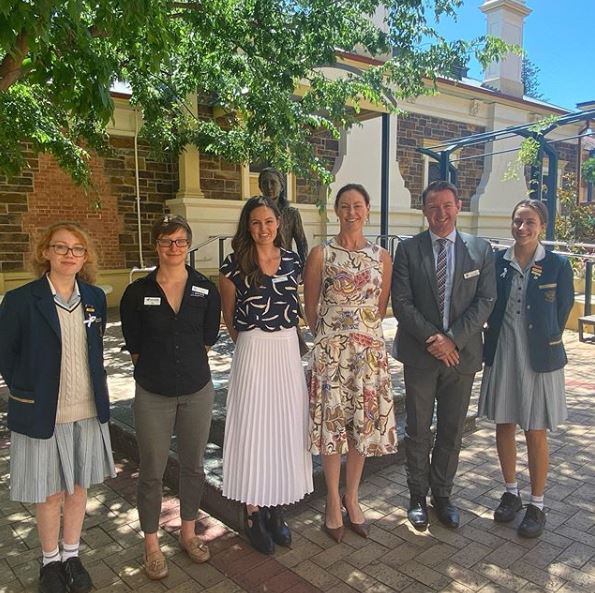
pixel 11 66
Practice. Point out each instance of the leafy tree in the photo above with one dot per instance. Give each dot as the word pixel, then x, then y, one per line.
pixel 530 78
pixel 575 222
pixel 59 59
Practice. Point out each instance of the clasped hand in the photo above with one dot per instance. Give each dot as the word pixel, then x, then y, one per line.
pixel 440 346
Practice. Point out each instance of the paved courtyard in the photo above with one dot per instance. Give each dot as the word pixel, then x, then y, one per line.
pixel 481 556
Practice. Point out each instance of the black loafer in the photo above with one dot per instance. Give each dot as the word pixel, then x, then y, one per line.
pixel 533 523
pixel 52 578
pixel 448 514
pixel 509 506
pixel 77 577
pixel 257 533
pixel 277 526
pixel 418 512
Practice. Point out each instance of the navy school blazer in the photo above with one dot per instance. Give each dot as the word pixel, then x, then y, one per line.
pixel 31 350
pixel 549 300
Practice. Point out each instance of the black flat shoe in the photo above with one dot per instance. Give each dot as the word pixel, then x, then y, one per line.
pixel 257 533
pixel 533 523
pixel 448 514
pixel 52 578
pixel 418 512
pixel 277 526
pixel 509 506
pixel 77 577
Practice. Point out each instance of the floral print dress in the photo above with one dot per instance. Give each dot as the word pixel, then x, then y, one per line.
pixel 350 388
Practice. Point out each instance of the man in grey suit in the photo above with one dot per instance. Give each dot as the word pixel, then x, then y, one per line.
pixel 443 290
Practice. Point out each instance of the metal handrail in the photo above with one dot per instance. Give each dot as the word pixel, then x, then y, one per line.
pixel 211 239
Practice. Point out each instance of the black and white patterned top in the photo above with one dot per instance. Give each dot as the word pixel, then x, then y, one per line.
pixel 272 305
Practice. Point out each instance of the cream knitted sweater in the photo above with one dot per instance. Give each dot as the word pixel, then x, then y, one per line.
pixel 75 397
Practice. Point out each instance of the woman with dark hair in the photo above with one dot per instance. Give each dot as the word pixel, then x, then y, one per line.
pixel 272 185
pixel 523 380
pixel 51 358
pixel 265 460
pixel 170 319
pixel 346 287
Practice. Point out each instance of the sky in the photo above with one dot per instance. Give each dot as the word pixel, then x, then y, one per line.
pixel 559 38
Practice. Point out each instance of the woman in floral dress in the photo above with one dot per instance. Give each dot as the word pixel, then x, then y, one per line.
pixel 346 289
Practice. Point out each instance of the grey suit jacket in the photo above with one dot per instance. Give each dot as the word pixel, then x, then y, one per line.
pixel 415 300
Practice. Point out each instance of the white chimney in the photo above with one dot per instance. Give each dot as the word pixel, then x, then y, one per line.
pixel 505 19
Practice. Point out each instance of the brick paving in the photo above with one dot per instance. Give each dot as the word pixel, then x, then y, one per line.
pixel 481 556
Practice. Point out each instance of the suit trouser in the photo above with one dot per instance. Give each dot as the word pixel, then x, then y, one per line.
pixel 451 391
pixel 156 419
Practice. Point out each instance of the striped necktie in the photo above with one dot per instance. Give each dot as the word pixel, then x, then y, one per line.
pixel 441 273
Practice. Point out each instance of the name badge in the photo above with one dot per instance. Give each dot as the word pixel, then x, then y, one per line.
pixel 471 274
pixel 198 291
pixel 152 301
pixel 279 279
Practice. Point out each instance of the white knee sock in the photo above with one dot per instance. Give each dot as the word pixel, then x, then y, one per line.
pixel 53 556
pixel 537 501
pixel 70 551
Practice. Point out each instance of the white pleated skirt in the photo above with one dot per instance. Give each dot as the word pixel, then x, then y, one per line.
pixel 78 453
pixel 265 456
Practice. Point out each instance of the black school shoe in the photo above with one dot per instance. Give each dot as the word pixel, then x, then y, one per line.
pixel 277 526
pixel 77 577
pixel 533 523
pixel 510 505
pixel 257 533
pixel 52 578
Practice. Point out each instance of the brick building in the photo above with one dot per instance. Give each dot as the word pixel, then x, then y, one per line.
pixel 133 186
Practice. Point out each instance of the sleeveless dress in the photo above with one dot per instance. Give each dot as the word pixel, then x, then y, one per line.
pixel 350 388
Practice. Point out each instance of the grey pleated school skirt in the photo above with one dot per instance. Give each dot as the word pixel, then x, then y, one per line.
pixel 78 453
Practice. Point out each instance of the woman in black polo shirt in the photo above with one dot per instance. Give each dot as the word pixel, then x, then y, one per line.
pixel 170 319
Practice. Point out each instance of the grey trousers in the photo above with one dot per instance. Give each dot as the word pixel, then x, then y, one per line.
pixel 451 391
pixel 156 419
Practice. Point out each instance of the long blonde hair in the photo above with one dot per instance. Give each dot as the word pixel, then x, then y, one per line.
pixel 41 265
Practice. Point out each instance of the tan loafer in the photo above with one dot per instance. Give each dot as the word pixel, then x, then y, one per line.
pixel 197 550
pixel 156 565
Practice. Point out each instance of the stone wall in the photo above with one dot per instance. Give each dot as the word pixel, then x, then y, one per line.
pixel 44 194
pixel 414 130
pixel 311 190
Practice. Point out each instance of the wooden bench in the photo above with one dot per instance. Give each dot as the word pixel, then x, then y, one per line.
pixel 589 320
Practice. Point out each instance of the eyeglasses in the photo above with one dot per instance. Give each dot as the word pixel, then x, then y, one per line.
pixel 61 249
pixel 169 242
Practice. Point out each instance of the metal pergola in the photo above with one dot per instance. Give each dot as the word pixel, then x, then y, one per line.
pixel 442 154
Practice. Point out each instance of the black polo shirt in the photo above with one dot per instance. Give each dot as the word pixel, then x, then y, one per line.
pixel 171 347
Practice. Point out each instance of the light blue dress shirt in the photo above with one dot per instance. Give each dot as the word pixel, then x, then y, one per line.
pixel 450 270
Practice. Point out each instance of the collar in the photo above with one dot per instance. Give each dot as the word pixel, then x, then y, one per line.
pixel 451 237
pixel 75 293
pixel 537 256
pixel 75 297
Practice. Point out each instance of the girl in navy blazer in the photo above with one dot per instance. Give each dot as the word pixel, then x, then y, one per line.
pixel 51 358
pixel 523 381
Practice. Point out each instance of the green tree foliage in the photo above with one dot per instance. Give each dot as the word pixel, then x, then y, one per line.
pixel 530 77
pixel 575 222
pixel 59 59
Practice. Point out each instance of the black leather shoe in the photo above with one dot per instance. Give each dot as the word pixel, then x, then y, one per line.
pixel 277 526
pixel 77 577
pixel 448 514
pixel 52 578
pixel 533 523
pixel 509 506
pixel 257 533
pixel 418 512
